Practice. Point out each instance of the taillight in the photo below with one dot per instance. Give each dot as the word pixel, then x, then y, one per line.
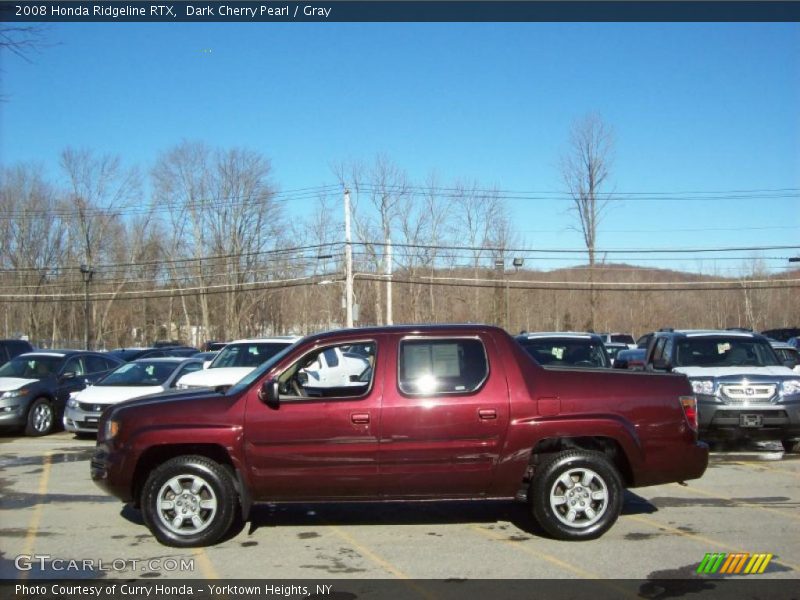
pixel 689 404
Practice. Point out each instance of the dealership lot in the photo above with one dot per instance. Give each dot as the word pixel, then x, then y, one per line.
pixel 54 522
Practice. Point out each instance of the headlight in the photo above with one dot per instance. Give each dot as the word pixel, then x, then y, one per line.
pixel 111 429
pixel 14 393
pixel 72 403
pixel 790 387
pixel 703 386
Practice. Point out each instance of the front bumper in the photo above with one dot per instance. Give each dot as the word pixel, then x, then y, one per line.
pixel 112 472
pixel 721 422
pixel 80 421
pixel 14 411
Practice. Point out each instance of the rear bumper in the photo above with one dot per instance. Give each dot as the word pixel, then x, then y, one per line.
pixel 682 462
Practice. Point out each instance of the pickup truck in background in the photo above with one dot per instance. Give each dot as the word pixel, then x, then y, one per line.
pixel 744 391
pixel 443 412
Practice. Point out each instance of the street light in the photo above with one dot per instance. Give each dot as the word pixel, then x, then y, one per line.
pixel 86 272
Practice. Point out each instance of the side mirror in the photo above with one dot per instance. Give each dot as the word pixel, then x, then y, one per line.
pixel 269 393
pixel 662 364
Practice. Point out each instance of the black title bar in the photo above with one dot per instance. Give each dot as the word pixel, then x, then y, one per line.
pixel 403 11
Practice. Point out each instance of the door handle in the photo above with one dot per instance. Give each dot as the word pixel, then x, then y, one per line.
pixel 360 418
pixel 487 414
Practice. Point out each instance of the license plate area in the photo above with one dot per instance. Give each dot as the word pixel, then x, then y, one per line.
pixel 92 420
pixel 751 421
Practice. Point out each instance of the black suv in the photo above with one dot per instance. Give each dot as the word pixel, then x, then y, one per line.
pixel 35 387
pixel 743 389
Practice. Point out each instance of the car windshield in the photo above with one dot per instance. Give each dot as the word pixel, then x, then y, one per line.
pixel 566 352
pixel 254 375
pixel 249 354
pixel 724 352
pixel 136 374
pixel 32 367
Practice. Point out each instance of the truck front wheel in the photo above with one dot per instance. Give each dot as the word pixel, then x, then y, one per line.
pixel 189 501
pixel 576 495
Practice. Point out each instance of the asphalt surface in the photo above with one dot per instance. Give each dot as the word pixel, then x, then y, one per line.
pixel 51 513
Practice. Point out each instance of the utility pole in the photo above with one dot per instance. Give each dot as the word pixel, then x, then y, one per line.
pixel 86 272
pixel 499 265
pixel 348 263
pixel 389 282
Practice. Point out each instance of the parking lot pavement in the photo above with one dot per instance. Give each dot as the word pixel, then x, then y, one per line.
pixel 51 513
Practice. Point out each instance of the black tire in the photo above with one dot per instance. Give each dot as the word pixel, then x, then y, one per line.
pixel 208 512
pixel 41 417
pixel 595 495
pixel 790 446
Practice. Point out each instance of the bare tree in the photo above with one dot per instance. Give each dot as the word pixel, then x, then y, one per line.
pixel 585 169
pixel 220 203
pixel 31 238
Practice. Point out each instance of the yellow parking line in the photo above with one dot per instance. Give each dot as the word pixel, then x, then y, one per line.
pixel 766 467
pixel 206 566
pixel 540 555
pixel 698 538
pixel 745 503
pixel 381 562
pixel 36 517
pixel 553 560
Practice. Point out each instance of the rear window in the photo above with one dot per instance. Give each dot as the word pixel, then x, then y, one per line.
pixel 442 366
pixel 622 339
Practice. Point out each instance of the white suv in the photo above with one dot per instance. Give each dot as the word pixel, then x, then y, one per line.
pixel 235 361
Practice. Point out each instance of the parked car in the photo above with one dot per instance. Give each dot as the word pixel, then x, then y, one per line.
pixel 788 354
pixel 335 368
pixel 565 349
pixel 447 412
pixel 632 360
pixel 141 377
pixel 129 354
pixel 214 346
pixel 782 334
pixel 35 386
pixel 235 361
pixel 614 348
pixel 618 338
pixel 206 357
pixel 794 341
pixel 11 348
pixel 743 389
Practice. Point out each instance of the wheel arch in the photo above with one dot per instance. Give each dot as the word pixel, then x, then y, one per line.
pixel 154 456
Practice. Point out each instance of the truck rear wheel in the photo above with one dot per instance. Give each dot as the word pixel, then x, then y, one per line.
pixel 189 501
pixel 576 495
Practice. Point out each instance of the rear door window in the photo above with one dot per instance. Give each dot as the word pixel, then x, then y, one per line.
pixel 441 366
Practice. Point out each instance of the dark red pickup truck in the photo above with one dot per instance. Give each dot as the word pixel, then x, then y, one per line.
pixel 408 413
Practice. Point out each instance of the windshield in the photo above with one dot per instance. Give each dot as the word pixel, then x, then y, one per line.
pixel 32 367
pixel 139 374
pixel 247 354
pixel 252 376
pixel 566 352
pixel 724 352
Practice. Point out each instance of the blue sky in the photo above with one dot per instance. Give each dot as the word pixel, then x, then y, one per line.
pixel 694 107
